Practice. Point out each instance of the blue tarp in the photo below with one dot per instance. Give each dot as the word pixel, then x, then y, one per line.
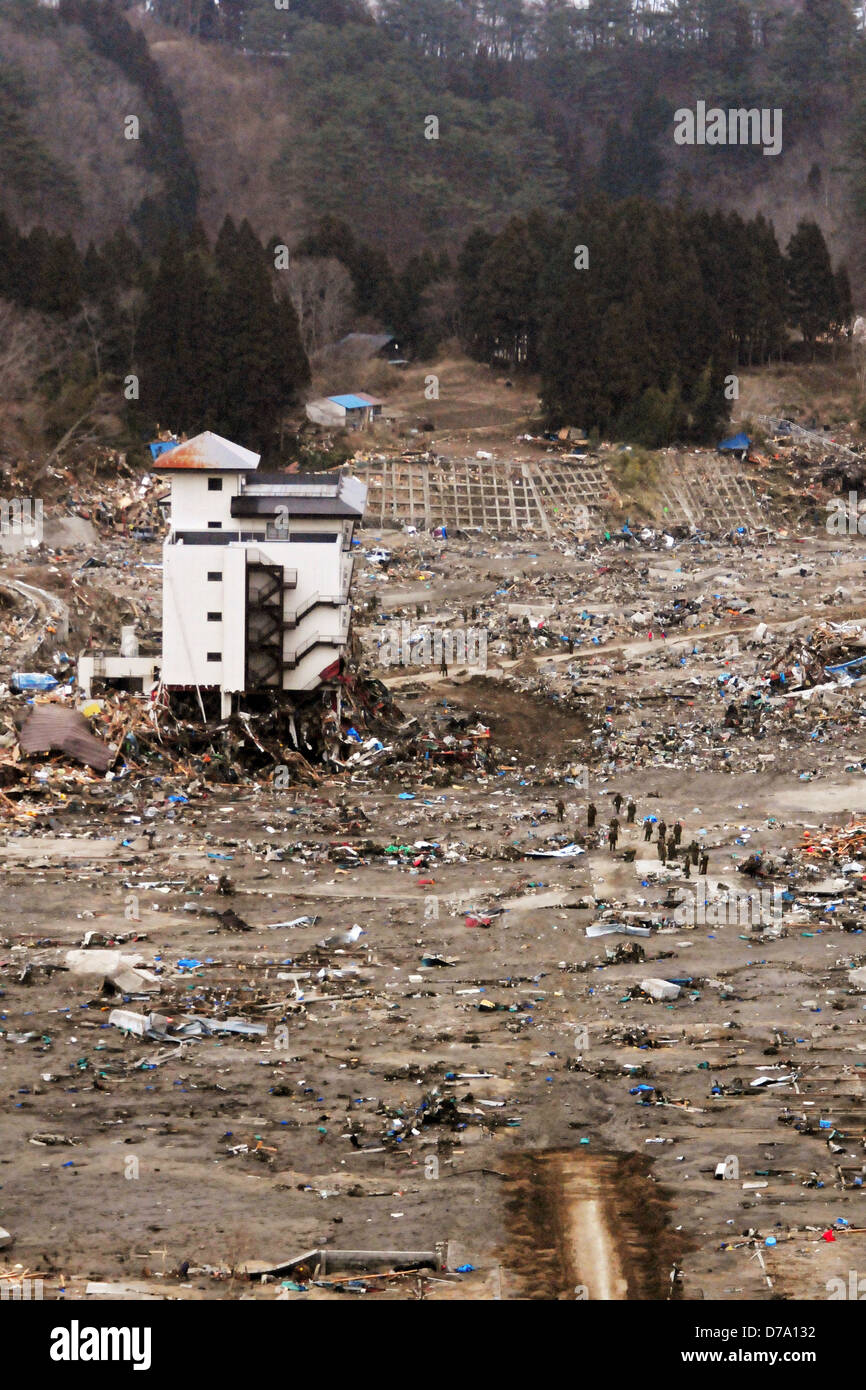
pixel 735 443
pixel 162 447
pixel 845 665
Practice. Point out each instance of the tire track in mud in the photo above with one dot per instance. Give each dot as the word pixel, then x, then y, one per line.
pixel 587 1225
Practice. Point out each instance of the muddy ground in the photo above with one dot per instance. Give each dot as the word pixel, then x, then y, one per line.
pixel 388 1106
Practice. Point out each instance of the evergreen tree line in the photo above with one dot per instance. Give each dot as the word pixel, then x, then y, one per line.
pixel 511 30
pixel 220 348
pixel 201 338
pixel 46 272
pixel 523 48
pixel 116 287
pixel 638 316
pixel 635 315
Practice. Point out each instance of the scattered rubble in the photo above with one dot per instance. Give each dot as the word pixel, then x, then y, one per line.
pixel 339 969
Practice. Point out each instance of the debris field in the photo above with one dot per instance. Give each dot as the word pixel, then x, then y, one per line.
pixel 368 998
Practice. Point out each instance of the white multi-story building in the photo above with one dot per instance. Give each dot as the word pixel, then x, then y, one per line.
pixel 256 573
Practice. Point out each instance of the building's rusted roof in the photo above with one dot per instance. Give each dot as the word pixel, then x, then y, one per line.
pixel 207 453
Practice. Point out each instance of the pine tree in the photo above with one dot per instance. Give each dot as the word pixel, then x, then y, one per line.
pixel 474 325
pixel 262 361
pixel 12 263
pixel 217 349
pixel 771 312
pixel 811 286
pixel 176 342
pixel 52 270
pixel 509 287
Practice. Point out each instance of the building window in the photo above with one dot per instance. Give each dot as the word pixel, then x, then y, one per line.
pixel 214 525
pixel 214 484
pixel 214 656
pixel 214 575
pixel 214 617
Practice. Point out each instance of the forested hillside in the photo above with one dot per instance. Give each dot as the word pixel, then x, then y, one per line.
pixel 197 197
pixel 284 115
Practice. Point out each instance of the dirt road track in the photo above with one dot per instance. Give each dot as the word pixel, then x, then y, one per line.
pixel 588 1240
pixel 588 1226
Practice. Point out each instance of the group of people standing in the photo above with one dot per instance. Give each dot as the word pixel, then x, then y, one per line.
pixel 668 839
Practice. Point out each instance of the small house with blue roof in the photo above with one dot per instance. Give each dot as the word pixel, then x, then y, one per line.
pixel 352 411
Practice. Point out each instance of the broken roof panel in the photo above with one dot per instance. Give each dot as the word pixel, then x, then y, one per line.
pixel 50 728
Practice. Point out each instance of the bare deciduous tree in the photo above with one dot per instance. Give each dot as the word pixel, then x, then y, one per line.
pixel 27 348
pixel 320 289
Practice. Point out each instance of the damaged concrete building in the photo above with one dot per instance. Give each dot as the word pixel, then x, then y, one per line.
pixel 257 570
